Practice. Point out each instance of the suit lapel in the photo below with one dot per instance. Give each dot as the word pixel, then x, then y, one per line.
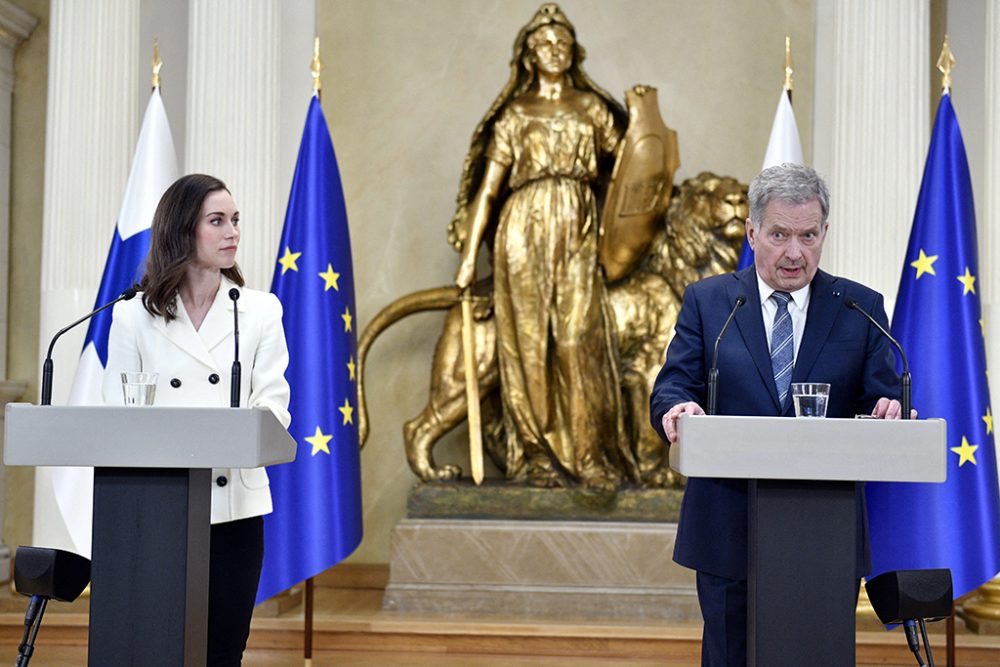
pixel 751 328
pixel 824 299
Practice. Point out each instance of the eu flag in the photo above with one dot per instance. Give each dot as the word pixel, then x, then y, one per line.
pixel 938 320
pixel 316 521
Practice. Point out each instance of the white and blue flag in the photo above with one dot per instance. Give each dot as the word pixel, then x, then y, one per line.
pixel 782 146
pixel 64 496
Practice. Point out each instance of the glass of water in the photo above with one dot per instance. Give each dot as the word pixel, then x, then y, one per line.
pixel 138 387
pixel 810 398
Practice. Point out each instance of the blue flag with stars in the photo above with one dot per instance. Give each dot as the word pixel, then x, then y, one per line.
pixel 938 320
pixel 316 521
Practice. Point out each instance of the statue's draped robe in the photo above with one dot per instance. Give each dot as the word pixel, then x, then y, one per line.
pixel 558 375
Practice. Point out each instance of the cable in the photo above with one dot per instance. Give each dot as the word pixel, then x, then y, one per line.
pixel 910 628
pixel 927 643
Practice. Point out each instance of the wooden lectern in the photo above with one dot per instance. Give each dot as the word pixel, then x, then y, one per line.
pixel 803 475
pixel 152 508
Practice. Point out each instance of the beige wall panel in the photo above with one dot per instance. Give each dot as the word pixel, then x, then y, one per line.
pixel 407 82
pixel 27 178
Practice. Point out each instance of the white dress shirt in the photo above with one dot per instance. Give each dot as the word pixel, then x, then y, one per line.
pixel 797 308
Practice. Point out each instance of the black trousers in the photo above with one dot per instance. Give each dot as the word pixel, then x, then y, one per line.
pixel 237 552
pixel 724 608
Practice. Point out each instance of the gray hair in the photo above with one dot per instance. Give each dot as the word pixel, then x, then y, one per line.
pixel 790 183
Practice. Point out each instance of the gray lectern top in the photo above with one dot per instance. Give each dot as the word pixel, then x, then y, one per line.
pixel 144 437
pixel 860 450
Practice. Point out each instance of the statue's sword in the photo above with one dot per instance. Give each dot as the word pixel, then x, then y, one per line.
pixel 472 388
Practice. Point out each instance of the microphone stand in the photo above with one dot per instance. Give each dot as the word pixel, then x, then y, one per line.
pixel 235 381
pixel 713 372
pixel 47 365
pixel 32 623
pixel 906 383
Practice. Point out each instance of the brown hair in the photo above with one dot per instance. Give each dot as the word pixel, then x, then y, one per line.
pixel 172 244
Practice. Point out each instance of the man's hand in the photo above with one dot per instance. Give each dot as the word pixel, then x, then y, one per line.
pixel 890 409
pixel 670 419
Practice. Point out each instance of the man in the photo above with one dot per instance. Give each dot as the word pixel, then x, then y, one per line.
pixel 794 327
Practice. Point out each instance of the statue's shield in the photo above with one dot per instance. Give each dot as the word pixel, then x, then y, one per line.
pixel 640 186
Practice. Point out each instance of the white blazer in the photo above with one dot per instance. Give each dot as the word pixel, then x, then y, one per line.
pixel 195 370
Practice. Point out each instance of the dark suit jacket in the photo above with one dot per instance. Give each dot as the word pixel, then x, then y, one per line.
pixel 838 346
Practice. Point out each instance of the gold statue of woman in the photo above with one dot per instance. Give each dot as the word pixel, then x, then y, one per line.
pixel 529 191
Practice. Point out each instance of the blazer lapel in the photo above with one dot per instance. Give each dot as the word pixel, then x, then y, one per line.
pixel 824 302
pixel 218 323
pixel 751 328
pixel 181 333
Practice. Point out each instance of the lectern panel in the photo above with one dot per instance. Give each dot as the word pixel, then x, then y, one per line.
pixel 850 450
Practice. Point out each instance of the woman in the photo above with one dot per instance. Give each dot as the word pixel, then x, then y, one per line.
pixel 536 158
pixel 182 329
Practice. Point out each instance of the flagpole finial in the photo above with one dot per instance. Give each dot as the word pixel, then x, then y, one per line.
pixel 788 63
pixel 316 67
pixel 946 63
pixel 157 64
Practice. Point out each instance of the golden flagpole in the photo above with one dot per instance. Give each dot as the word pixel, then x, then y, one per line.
pixel 157 64
pixel 789 67
pixel 315 67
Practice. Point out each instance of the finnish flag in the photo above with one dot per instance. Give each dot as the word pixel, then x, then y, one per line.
pixel 64 498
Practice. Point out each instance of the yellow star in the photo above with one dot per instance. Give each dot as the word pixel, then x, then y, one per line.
pixel 982 327
pixel 330 277
pixel 350 368
pixel 966 453
pixel 347 411
pixel 924 264
pixel 347 319
pixel 969 281
pixel 319 442
pixel 288 261
pixel 988 418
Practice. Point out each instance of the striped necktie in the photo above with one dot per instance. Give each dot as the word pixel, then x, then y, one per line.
pixel 782 348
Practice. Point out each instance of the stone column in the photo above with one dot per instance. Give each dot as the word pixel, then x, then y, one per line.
pixel 93 120
pixel 982 612
pixel 871 131
pixel 237 112
pixel 15 27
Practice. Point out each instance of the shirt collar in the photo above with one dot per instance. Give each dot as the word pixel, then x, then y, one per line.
pixel 800 297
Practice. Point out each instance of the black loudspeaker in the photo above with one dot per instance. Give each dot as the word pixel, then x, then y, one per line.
pixel 910 595
pixel 50 573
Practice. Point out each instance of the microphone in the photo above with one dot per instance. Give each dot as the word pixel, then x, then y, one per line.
pixel 234 388
pixel 906 383
pixel 47 365
pixel 713 373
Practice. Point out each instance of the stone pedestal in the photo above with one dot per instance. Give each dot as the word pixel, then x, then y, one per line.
pixel 981 612
pixel 540 566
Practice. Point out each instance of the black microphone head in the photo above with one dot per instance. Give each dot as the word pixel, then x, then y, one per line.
pixel 129 293
pixel 234 294
pixel 853 304
pixel 740 300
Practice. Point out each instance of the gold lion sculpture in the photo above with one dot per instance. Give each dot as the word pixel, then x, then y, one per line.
pixel 701 236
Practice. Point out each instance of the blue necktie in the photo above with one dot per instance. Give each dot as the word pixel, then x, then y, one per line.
pixel 782 348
